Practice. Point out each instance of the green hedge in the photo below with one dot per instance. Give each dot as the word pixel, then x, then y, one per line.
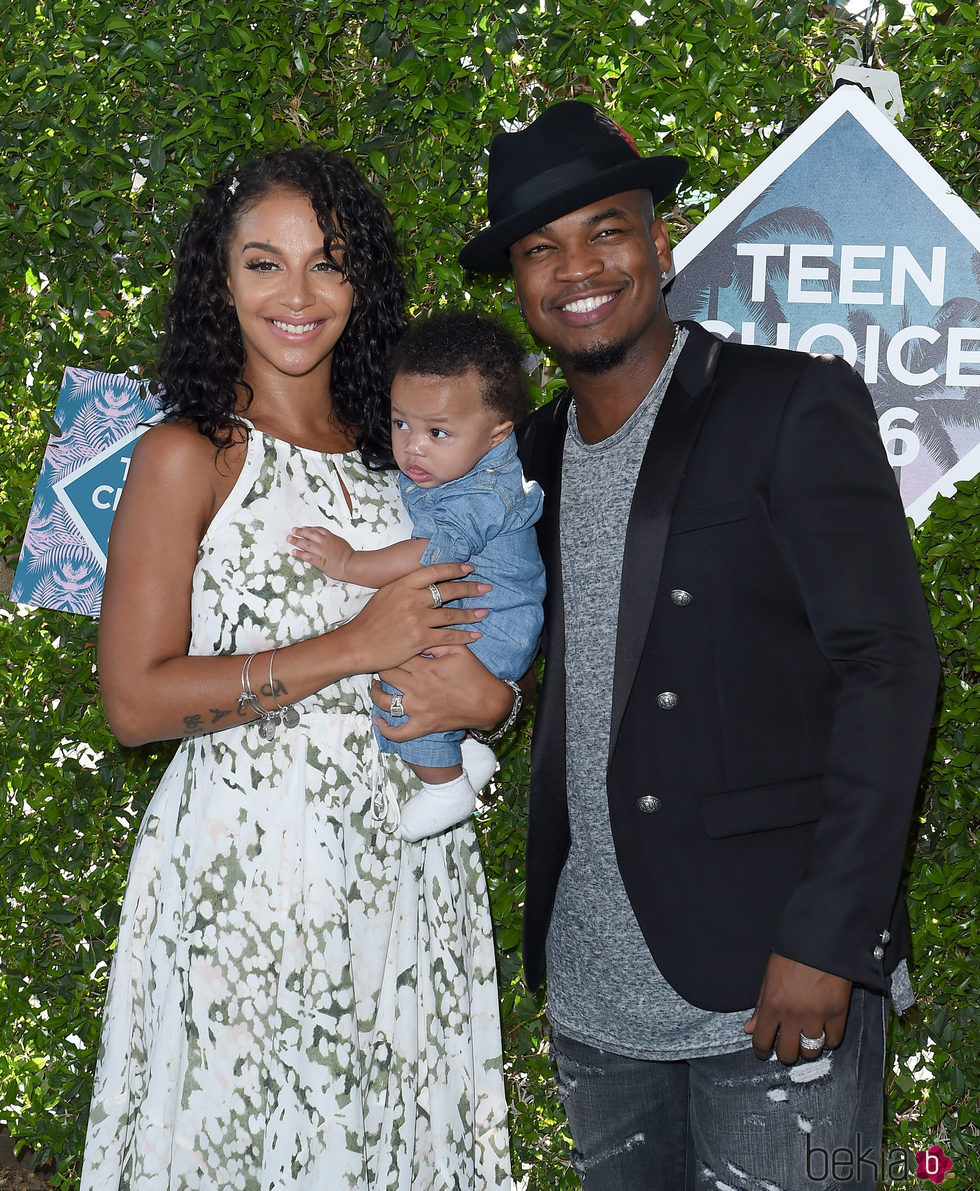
pixel 111 115
pixel 935 1093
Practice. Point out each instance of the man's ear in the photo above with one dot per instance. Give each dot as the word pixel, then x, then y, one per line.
pixel 517 295
pixel 661 242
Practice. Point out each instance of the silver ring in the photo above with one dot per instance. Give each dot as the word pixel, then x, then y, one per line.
pixel 813 1043
pixel 397 706
pixel 436 596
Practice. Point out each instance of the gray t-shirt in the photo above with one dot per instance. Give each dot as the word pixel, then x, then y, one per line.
pixel 603 987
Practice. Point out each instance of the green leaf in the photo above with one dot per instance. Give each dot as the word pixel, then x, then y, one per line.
pixel 156 154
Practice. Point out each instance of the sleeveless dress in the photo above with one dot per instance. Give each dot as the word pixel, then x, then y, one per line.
pixel 298 999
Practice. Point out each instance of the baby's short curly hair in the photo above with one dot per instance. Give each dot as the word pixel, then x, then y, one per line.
pixel 452 343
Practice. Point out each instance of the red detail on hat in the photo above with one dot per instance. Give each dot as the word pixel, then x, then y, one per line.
pixel 626 137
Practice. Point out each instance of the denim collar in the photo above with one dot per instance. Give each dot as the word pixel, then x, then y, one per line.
pixel 498 456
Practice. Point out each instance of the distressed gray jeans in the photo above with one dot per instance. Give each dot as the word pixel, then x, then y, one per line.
pixel 730 1122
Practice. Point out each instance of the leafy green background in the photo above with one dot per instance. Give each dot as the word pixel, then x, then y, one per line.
pixel 111 115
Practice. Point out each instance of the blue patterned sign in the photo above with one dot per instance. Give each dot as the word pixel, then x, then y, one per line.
pixel 846 240
pixel 62 563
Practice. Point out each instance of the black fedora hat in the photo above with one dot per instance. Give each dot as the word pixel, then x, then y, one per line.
pixel 572 155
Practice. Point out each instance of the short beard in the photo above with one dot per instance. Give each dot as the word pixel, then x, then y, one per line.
pixel 597 359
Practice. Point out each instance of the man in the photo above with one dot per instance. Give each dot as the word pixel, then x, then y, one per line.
pixel 739 684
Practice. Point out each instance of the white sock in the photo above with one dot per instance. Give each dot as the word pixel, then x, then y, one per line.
pixel 437 808
pixel 479 762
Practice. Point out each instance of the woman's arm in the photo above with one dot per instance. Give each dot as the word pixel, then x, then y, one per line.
pixel 151 688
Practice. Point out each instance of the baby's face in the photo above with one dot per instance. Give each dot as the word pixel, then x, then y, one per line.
pixel 440 428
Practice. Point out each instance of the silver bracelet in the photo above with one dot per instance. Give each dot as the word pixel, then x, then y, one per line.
pixel 509 722
pixel 248 700
pixel 288 714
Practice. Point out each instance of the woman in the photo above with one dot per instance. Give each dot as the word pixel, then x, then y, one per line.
pixel 298 998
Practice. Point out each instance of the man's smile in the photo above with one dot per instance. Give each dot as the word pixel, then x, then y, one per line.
pixel 584 309
pixel 586 305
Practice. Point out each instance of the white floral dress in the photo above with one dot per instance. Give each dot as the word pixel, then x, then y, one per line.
pixel 298 999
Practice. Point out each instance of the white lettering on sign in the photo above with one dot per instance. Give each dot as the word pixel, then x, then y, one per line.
pixel 957 356
pixel 800 272
pixel 894 356
pixel 851 275
pixel 106 496
pixel 905 265
pixel 901 444
pixel 843 343
pixel 759 254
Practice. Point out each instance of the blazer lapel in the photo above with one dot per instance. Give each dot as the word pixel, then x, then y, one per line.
pixel 671 442
pixel 541 444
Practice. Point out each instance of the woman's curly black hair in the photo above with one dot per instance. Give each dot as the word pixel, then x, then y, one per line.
pixel 202 357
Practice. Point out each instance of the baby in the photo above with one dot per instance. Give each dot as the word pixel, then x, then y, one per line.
pixel 458 389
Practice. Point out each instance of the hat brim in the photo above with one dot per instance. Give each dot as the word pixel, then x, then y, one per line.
pixel 488 251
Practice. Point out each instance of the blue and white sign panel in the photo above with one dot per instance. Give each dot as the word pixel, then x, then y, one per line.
pixel 846 240
pixel 62 563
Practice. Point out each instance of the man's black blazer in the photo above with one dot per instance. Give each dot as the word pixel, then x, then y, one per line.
pixel 770 585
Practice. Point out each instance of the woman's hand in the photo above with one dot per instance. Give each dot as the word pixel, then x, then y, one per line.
pixel 400 619
pixel 449 689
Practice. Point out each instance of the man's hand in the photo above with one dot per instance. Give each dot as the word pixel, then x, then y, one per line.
pixel 321 548
pixel 794 1000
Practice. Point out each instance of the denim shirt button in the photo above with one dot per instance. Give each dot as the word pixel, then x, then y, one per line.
pixel 648 803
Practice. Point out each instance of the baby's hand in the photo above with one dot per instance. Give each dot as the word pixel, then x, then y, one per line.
pixel 316 545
